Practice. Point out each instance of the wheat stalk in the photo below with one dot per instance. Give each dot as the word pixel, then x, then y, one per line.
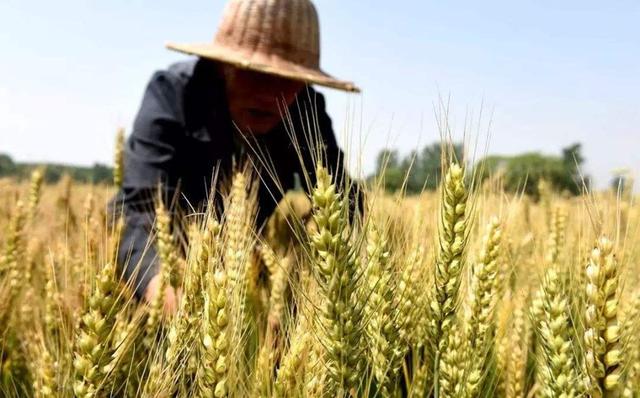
pixel 290 371
pixel 631 331
pixel 91 348
pixel 558 376
pixel 336 272
pixel 118 161
pixel 452 237
pixel 382 330
pixel 484 291
pixel 214 335
pixel 602 334
pixel 517 345
pixel 35 193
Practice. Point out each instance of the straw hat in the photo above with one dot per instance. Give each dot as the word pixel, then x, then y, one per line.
pixel 279 37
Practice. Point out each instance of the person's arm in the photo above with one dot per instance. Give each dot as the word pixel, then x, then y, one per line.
pixel 149 162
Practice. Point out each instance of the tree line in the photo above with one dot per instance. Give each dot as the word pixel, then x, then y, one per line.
pixel 97 174
pixel 414 172
pixel 421 170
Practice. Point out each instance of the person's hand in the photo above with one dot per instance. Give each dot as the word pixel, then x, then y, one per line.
pixel 171 296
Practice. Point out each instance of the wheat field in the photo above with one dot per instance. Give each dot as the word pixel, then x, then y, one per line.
pixel 463 292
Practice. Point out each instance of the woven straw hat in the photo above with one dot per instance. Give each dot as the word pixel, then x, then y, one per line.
pixel 278 37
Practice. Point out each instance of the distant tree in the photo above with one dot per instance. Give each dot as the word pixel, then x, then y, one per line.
pixel 98 173
pixel 573 155
pixel 101 174
pixel 387 169
pixel 420 169
pixel 618 183
pixel 52 174
pixel 410 171
pixel 622 183
pixel 7 166
pixel 387 158
pixel 429 164
pixel 393 179
pixel 524 172
pixel 573 160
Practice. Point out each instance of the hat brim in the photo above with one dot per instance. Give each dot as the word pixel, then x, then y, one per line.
pixel 269 64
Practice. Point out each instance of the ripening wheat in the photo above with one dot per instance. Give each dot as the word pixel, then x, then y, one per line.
pixel 469 292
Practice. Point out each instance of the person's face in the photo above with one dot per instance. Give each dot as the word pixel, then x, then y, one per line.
pixel 256 99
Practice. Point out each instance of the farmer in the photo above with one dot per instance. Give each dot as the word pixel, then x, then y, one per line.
pixel 197 116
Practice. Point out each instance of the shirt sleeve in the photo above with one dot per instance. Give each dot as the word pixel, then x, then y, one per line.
pixel 150 156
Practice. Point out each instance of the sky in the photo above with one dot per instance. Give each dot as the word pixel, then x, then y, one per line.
pixel 522 75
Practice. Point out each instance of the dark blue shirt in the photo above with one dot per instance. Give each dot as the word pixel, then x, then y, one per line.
pixel 183 136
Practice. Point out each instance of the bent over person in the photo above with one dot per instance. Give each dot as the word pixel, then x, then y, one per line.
pixel 194 115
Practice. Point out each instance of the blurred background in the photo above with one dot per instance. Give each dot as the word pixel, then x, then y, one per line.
pixel 531 76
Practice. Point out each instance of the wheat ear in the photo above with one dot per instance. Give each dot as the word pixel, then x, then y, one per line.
pixel 556 364
pixel 92 350
pixel 452 236
pixel 602 335
pixel 214 335
pixel 336 271
pixel 118 161
pixel 380 311
pixel 484 290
